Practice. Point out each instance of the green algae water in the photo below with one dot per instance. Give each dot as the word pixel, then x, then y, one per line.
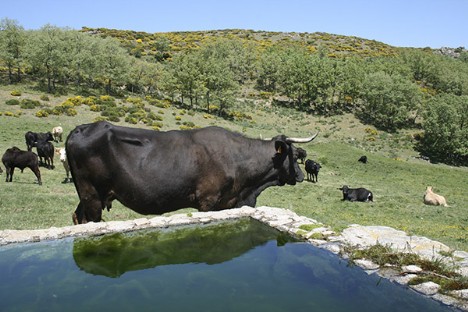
pixel 234 266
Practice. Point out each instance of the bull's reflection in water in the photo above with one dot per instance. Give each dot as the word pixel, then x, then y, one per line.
pixel 113 255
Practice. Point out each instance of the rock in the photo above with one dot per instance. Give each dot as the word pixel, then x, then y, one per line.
pixel 367 236
pixel 411 269
pixel 427 288
pixel 403 279
pixel 366 264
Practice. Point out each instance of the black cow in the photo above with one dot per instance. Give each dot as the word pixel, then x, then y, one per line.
pixel 156 172
pixel 363 159
pixel 46 151
pixel 312 168
pixel 16 158
pixel 357 194
pixel 301 154
pixel 32 138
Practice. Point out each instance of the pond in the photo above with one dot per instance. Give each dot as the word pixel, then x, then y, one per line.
pixel 239 265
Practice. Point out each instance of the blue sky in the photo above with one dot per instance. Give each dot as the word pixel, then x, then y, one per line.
pixel 403 23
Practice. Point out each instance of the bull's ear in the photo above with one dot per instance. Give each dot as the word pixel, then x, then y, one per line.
pixel 281 147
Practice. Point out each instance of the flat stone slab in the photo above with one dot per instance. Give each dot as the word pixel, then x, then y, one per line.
pixel 366 236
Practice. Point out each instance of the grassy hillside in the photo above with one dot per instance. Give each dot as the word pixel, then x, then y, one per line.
pixel 164 45
pixel 393 174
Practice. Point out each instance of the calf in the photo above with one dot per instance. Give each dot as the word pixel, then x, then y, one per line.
pixel 45 151
pixel 431 198
pixel 363 159
pixel 301 154
pixel 63 159
pixel 312 168
pixel 357 194
pixel 32 138
pixel 57 133
pixel 16 158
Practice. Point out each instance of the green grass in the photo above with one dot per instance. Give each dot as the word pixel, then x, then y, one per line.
pixel 397 180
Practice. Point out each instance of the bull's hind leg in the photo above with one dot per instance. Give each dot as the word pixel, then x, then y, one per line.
pixel 87 211
pixel 9 175
pixel 37 173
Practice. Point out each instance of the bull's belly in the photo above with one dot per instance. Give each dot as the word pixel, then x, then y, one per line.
pixel 150 205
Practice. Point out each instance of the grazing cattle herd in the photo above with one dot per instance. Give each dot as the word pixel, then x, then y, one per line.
pixel 156 172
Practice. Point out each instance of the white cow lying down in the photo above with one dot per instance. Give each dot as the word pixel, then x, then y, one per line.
pixel 63 158
pixel 431 198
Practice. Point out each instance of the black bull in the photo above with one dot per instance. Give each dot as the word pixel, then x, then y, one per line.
pixel 156 172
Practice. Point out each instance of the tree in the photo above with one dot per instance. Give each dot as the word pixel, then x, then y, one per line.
pixel 349 75
pixel 293 74
pixel 268 70
pixel 187 73
pixel 388 100
pixel 12 44
pixel 46 54
pixel 217 74
pixel 112 63
pixel 446 129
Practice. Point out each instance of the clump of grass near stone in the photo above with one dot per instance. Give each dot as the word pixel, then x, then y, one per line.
pixel 436 270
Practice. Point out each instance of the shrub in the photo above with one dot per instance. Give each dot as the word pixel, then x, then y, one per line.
pixel 131 120
pixel 213 108
pixel 71 112
pixel 157 124
pixel 236 115
pixel 161 104
pixel 371 131
pixel 15 93
pixel 29 104
pixel 12 102
pixel 265 95
pixel 114 118
pixel 106 98
pixel 68 104
pixel 90 100
pixel 95 108
pixel 113 112
pixel 44 97
pixel 134 100
pixel 99 118
pixel 42 113
pixel 74 101
pixel 57 110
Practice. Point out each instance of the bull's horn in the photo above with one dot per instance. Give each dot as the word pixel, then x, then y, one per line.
pixel 302 140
